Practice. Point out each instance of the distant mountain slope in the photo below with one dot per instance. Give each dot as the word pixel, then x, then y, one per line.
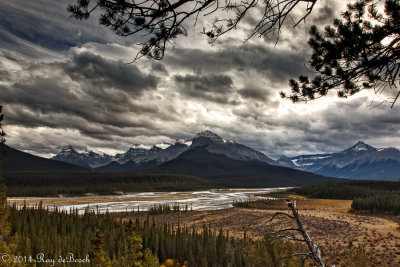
pixel 138 154
pixel 86 158
pixel 146 157
pixel 233 165
pixel 218 145
pixel 16 160
pixel 360 161
pixel 249 173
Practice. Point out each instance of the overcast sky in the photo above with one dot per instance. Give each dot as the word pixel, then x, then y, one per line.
pixel 64 81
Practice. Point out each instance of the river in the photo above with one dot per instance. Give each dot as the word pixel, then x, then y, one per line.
pixel 195 200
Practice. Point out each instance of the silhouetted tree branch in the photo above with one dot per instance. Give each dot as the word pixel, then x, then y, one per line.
pixel 360 52
pixel 161 21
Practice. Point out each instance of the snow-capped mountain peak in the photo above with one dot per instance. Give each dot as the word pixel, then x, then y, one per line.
pixel 361 161
pixel 139 153
pixel 215 144
pixel 360 146
pixel 210 135
pixel 82 156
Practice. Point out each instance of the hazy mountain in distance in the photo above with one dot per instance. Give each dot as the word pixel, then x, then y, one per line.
pixel 360 161
pixel 85 158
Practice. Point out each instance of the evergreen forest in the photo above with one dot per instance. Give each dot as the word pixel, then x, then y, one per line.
pixel 372 196
pixel 106 240
pixel 43 184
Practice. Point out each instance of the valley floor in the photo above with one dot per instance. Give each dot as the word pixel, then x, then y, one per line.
pixel 329 223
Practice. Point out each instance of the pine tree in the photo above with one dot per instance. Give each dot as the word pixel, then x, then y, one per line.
pixel 135 246
pixel 7 243
pixel 149 259
pixel 353 54
pixel 136 256
pixel 4 212
pixel 98 256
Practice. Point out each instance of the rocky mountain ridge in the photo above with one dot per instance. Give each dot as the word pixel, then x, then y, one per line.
pixel 159 153
pixel 361 161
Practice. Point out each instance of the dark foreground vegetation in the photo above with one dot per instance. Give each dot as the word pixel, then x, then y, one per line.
pixel 108 240
pixel 52 184
pixel 372 196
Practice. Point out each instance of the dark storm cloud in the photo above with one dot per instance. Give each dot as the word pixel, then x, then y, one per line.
pixel 336 127
pixel 16 48
pixel 212 87
pixel 101 98
pixel 48 24
pixel 254 93
pixel 40 102
pixel 96 100
pixel 20 115
pixel 99 72
pixel 276 64
pixel 158 67
pixel 358 120
pixel 4 75
pixel 102 81
pixel 219 84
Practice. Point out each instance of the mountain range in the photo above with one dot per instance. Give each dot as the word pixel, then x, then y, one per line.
pixel 207 155
pixel 140 156
pixel 210 156
pixel 137 154
pixel 360 161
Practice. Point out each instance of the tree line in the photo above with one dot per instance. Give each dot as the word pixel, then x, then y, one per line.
pixel 52 184
pixel 373 196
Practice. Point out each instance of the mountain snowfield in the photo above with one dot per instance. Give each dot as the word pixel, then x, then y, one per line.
pixel 360 161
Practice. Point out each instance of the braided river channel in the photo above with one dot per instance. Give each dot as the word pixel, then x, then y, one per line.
pixel 192 200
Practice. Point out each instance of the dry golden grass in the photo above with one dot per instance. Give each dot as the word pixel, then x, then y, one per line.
pixel 329 223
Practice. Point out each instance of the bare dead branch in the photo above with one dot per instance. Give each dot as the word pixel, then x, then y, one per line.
pixel 293 233
pixel 280 213
pixel 314 249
